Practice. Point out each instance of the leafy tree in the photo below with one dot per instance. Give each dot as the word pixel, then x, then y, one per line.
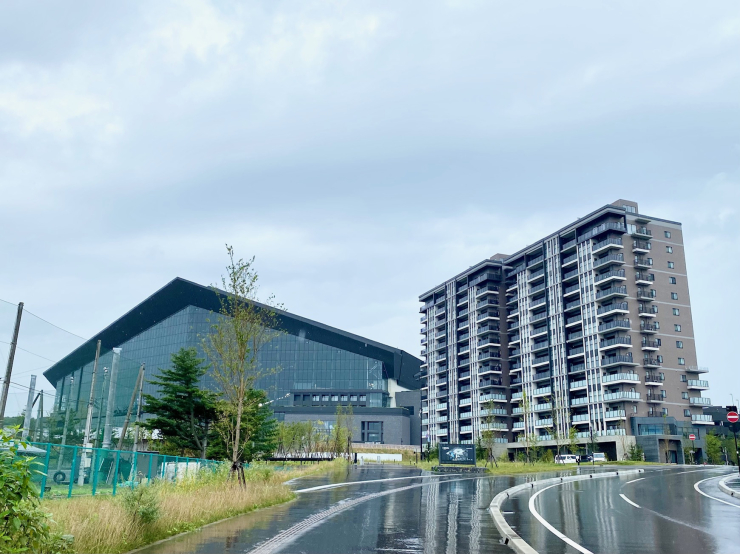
pixel 183 411
pixel 24 526
pixel 635 453
pixel 573 440
pixel 233 346
pixel 259 431
pixel 714 448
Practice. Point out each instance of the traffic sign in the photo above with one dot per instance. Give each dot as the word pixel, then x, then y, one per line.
pixel 692 437
pixel 732 417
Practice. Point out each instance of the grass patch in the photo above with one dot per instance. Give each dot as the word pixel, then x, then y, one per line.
pixel 107 524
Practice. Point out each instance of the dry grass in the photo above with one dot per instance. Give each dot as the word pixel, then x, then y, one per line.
pixel 100 524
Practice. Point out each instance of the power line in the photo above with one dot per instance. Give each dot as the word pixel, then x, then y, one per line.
pixel 32 353
pixel 47 322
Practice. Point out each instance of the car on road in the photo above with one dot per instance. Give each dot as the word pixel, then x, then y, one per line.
pixel 599 457
pixel 583 458
pixel 566 459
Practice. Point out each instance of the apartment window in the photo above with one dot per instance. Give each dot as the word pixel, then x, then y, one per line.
pixel 672 280
pixel 372 431
pixel 679 344
pixel 685 395
pixel 660 358
pixel 296 398
pixel 344 398
pixel 634 409
pixel 676 311
pixel 629 209
pixel 669 249
pixel 687 413
pixel 674 296
pixel 682 361
pixel 663 393
pixel 657 324
pixel 659 342
pixel 671 265
pixel 335 398
pixel 325 398
pixel 661 375
pixel 353 398
pixel 651 276
pixel 363 398
pixel 683 378
pixel 677 327
pixel 316 398
pixel 650 261
pixel 667 234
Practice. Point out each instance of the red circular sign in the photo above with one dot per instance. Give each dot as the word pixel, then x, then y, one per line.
pixel 692 437
pixel 732 417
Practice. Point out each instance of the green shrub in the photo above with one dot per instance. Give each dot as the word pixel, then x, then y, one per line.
pixel 548 457
pixel 24 527
pixel 635 453
pixel 141 504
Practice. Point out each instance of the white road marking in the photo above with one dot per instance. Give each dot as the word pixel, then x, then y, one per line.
pixel 634 480
pixel 550 527
pixel 337 485
pixel 628 500
pixel 696 486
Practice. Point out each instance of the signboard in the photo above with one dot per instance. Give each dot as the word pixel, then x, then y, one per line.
pixel 692 437
pixel 732 417
pixel 463 454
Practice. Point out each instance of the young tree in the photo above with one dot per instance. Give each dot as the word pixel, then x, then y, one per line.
pixel 573 440
pixel 241 332
pixel 714 448
pixel 489 433
pixel 183 411
pixel 530 439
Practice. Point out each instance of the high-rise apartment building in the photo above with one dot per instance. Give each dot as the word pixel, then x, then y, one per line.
pixel 587 332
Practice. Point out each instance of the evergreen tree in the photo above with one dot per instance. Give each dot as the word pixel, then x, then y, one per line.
pixel 183 412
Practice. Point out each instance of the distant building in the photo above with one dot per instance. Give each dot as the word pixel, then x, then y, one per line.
pixel 590 328
pixel 320 366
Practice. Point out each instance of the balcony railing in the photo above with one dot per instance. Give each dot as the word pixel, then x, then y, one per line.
pixel 542 407
pixel 568 290
pixel 699 384
pixel 613 414
pixel 491 396
pixel 616 324
pixel 487 302
pixel 576 368
pixel 700 401
pixel 486 290
pixel 538 317
pixel 536 260
pixel 573 319
pixel 543 422
pixel 494 412
pixel 617 273
pixel 575 351
pixel 542 391
pixel 615 341
pixel 540 360
pixel 642 262
pixel 481 278
pixel 611 226
pixel 616 306
pixel 697 369
pixel 536 274
pixel 612 258
pixel 578 385
pixel 572 273
pixel 488 327
pixel 536 303
pixel 641 245
pixel 642 276
pixel 540 345
pixel 538 288
pixel 494 313
pixel 643 231
pixel 621 395
pixel 631 377
pixel 649 344
pixel 571 305
pixel 575 336
pixel 569 259
pixel 606 242
pixel 702 418
pixel 542 375
pixel 648 327
pixel 489 355
pixel 622 291
pixel 612 360
pixel 568 244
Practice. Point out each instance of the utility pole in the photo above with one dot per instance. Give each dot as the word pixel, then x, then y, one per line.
pixel 39 431
pixel 29 409
pixel 131 407
pixel 66 421
pixel 109 409
pixel 88 419
pixel 9 367
pixel 100 407
pixel 138 413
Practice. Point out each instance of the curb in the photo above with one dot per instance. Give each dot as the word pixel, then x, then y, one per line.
pixel 510 537
pixel 727 490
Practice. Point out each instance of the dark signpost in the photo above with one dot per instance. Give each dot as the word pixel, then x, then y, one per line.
pixel 732 418
pixel 692 438
pixel 458 454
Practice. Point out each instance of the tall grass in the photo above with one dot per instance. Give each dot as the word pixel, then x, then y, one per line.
pixel 102 524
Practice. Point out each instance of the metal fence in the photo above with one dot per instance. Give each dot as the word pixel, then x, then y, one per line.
pixel 67 471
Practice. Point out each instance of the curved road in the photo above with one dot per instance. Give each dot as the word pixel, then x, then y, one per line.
pixel 673 510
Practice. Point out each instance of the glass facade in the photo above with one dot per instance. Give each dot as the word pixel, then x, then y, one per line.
pixel 300 364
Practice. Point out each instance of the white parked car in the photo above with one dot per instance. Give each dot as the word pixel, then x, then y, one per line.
pixel 566 459
pixel 599 457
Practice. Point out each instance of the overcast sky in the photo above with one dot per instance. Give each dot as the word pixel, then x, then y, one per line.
pixel 363 151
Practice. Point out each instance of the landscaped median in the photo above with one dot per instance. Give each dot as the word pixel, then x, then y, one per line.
pixel 148 513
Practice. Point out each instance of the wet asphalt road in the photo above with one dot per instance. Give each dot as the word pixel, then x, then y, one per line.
pixel 665 513
pixel 449 515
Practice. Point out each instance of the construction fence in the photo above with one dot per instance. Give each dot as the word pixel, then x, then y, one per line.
pixel 66 471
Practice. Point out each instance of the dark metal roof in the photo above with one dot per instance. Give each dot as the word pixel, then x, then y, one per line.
pixel 180 293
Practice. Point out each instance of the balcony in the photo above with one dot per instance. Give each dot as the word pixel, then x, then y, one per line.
pixel 463 324
pixel 540 360
pixel 611 292
pixel 621 395
pixel 463 312
pixel 646 295
pixel 439 357
pixel 606 244
pixel 700 401
pixel 494 412
pixel 488 341
pixel 423 318
pixel 616 324
pixel 697 369
pixel 497 425
pixel 621 378
pixel 701 419
pixel 488 315
pixel 535 261
pixel 604 227
pixel 542 375
pixel 490 289
pixel 513 300
pixel 642 278
pixel 614 308
pixel 439 311
pixel 574 336
pixel 536 275
pixel 569 259
pixel 546 407
pixel 649 344
pixel 488 328
pixel 489 355
pixel 642 232
pixel 581 418
pixel 573 320
pixel 463 336
pixel 576 368
pixel 441 345
pixel 573 352
pixel 615 414
pixel 466 401
pixel 543 422
pixel 518 425
pixel 463 349
pixel 579 401
pixel 653 380
pixel 513 325
pixel 536 289
pixel 486 302
pixel 614 275
pixel 537 317
pixel 441 432
pixel 462 301
pixel 648 328
pixel 641 246
pixel 654 398
pixel 616 342
pixel 515 366
pixel 642 263
pixel 483 277
pixel 568 245
pixel 537 303
pixel 617 259
pixel 543 391
pixel 612 361
pixel 572 289
pixel 647 311
pixel 516 396
pixel 463 375
pixel 695 384
pixel 651 363
pixel 576 304
pixel 441 407
pixel 440 334
pixel 577 385
pixel 538 332
pixel 495 397
pixel 466 428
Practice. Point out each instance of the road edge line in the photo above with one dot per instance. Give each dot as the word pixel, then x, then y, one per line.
pixel 511 538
